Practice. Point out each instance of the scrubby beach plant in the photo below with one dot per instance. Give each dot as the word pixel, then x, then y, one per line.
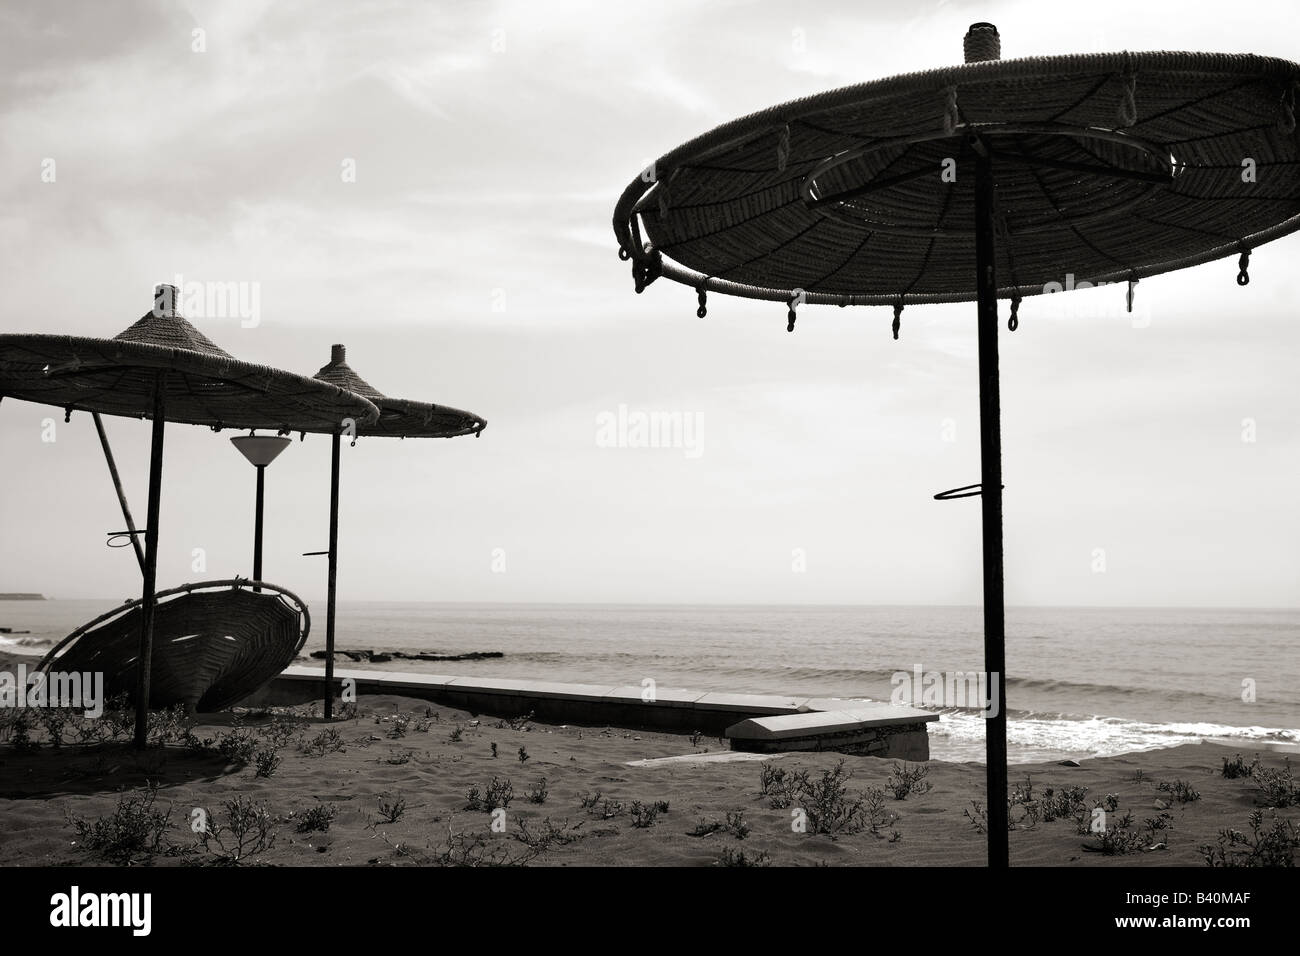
pixel 249 829
pixel 736 824
pixel 1181 790
pixel 1237 767
pixel 281 729
pixel 317 818
pixel 1277 786
pixel 523 755
pixel 1120 839
pixel 1272 847
pixel 266 762
pixel 1158 828
pixel 905 780
pixel 171 725
pixel 236 745
pixel 54 720
pixel 1061 804
pixel 456 734
pixel 734 857
pixel 391 808
pixel 20 732
pixel 498 794
pixel 133 833
pixel 538 793
pixel 782 786
pixel 327 741
pixel 494 751
pixel 643 815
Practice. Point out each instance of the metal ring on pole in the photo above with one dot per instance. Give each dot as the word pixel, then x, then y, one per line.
pixel 962 492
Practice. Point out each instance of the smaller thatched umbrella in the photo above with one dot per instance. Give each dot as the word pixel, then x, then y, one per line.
pixel 398 418
pixel 164 369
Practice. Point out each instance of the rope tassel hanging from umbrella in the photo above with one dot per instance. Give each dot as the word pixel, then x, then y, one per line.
pixel 1113 167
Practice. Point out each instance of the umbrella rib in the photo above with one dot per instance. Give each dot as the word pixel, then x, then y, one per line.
pixel 720 231
pixel 1196 102
pixel 876 183
pixel 738 196
pixel 1151 220
pixel 710 167
pixel 763 255
pixel 1073 228
pixel 943 215
pixel 1231 132
pixel 813 286
pixel 838 133
pixel 1081 100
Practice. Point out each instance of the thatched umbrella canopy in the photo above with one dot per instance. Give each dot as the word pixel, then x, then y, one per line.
pixel 164 369
pixel 398 418
pixel 987 180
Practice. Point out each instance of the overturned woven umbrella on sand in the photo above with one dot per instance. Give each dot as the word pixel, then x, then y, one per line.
pixel 164 369
pixel 398 418
pixel 982 181
pixel 230 639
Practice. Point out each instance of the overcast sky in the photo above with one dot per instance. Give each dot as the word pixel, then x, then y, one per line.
pixel 471 263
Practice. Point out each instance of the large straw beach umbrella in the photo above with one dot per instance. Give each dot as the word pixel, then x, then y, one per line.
pixel 164 369
pixel 398 418
pixel 988 180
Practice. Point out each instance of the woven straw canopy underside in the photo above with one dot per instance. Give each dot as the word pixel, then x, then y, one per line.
pixel 211 648
pixel 398 417
pixel 204 385
pixel 1107 166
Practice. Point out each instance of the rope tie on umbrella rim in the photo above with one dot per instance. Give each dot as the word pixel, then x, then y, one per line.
pixel 898 317
pixel 1013 322
pixel 790 315
pixel 1243 266
pixel 783 148
pixel 702 297
pixel 1128 296
pixel 644 273
pixel 1287 106
pixel 1127 109
pixel 950 115
pixel 67 415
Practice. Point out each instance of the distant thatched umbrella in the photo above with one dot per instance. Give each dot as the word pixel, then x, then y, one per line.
pixel 398 418
pixel 164 369
pixel 982 181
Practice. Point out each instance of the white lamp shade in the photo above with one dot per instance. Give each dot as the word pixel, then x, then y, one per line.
pixel 260 450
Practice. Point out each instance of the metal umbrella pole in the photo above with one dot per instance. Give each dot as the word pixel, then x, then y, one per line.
pixel 131 530
pixel 331 601
pixel 995 723
pixel 150 563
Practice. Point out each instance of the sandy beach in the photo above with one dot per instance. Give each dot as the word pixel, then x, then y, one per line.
pixel 407 783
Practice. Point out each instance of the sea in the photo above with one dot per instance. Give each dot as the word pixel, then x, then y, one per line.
pixel 1082 682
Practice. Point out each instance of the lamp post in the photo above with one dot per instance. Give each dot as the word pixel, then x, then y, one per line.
pixel 260 450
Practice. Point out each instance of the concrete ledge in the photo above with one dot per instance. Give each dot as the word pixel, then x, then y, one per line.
pixel 673 709
pixel 880 730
